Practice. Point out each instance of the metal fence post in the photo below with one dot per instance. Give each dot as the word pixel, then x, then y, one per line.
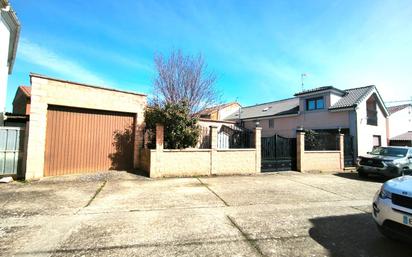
pixel 258 146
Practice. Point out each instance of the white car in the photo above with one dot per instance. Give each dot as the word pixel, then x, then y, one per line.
pixel 392 208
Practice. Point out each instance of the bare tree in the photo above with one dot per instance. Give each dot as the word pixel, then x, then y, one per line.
pixel 184 78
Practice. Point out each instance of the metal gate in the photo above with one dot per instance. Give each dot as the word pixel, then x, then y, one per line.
pixel 278 153
pixel 348 151
pixel 11 150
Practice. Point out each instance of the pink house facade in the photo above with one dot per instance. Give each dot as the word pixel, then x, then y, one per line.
pixel 359 113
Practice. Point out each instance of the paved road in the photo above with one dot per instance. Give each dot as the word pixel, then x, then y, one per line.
pixel 120 214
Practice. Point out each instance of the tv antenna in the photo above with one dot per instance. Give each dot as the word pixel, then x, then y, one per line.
pixel 302 76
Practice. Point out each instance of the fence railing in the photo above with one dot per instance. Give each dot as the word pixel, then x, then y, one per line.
pixel 229 136
pixel 321 141
pixel 233 136
pixel 11 150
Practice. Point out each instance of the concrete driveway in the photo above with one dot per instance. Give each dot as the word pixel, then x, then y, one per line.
pixel 121 214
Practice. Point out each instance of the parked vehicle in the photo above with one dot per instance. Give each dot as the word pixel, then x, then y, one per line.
pixel 392 208
pixel 388 161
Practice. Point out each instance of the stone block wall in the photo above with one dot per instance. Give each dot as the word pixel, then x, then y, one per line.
pixel 202 162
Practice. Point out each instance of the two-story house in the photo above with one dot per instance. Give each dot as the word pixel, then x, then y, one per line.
pixel 357 112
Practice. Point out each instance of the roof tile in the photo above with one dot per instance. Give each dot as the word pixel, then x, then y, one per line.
pixel 397 108
pixel 404 137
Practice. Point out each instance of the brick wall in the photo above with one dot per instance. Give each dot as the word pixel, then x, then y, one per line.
pixel 47 91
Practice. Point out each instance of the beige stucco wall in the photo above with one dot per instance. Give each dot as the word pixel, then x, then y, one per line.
pixel 47 91
pixel 400 122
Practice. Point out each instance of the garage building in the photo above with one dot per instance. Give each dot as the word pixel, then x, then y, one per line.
pixel 78 128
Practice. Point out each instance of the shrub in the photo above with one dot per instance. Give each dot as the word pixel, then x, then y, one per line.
pixel 180 128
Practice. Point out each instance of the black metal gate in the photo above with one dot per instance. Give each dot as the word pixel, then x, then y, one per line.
pixel 278 153
pixel 348 151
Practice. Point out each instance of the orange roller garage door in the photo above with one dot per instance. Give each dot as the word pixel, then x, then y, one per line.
pixel 85 140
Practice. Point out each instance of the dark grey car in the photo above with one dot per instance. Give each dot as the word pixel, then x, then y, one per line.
pixel 390 161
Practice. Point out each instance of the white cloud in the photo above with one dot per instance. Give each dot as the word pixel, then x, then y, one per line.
pixel 35 54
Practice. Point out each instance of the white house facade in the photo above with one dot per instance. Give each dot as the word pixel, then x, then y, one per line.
pixel 9 36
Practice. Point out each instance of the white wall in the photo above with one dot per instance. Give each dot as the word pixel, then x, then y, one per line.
pixel 4 50
pixel 400 122
pixel 333 98
pixel 366 132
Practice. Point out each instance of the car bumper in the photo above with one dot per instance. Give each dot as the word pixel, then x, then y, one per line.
pixel 385 171
pixel 390 218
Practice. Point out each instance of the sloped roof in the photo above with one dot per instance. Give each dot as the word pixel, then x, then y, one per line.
pixel 350 99
pixel 397 108
pixel 320 89
pixel 216 108
pixel 276 108
pixel 404 137
pixel 353 97
pixel 26 90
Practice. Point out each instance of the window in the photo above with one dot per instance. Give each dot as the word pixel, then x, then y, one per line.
pixel 371 112
pixel 315 104
pixel 271 123
pixel 376 141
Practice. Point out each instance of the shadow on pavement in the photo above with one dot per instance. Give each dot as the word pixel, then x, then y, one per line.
pixel 355 235
pixel 354 176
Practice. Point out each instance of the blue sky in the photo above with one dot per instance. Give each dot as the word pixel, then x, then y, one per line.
pixel 258 49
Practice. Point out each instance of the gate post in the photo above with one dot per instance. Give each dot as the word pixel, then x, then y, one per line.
pixel 300 147
pixel 258 145
pixel 342 153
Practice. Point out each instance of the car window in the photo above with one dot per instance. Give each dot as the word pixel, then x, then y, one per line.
pixel 388 151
